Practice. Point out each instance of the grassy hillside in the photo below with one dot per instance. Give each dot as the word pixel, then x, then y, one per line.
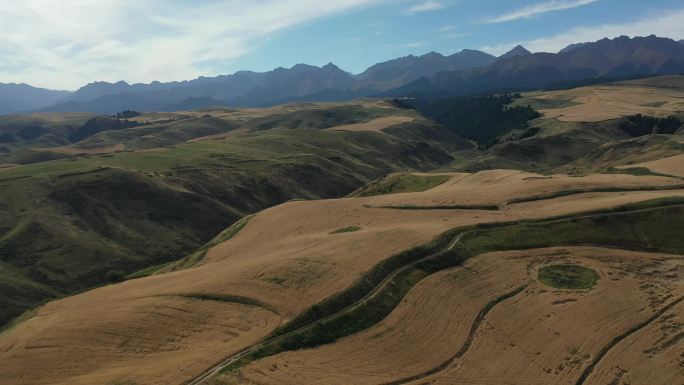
pixel 67 225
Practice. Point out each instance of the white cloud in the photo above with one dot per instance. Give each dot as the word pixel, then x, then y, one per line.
pixel 62 44
pixel 426 6
pixel 536 9
pixel 665 24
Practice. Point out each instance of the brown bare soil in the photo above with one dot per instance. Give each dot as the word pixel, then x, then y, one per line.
pixel 285 258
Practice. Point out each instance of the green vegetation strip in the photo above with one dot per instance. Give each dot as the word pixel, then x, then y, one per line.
pixel 197 257
pixel 148 271
pixel 228 299
pixel 639 171
pixel 559 194
pixel 568 276
pixel 439 207
pixel 349 229
pixel 644 227
pixel 27 315
pixel 400 183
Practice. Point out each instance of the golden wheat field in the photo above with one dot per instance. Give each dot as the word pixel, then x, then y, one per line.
pixel 659 97
pixel 164 330
pixel 536 335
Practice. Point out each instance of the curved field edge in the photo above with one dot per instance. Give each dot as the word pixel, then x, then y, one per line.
pixel 615 341
pixel 184 263
pixel 647 226
pixel 564 193
pixel 226 298
pixel 25 316
pixel 467 343
pixel 399 183
pixel 533 198
pixel 198 256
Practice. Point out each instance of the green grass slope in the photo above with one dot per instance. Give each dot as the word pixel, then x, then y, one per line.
pixel 398 183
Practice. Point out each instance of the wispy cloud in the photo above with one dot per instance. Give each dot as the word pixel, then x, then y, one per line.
pixel 536 9
pixel 62 44
pixel 426 6
pixel 665 24
pixel 457 35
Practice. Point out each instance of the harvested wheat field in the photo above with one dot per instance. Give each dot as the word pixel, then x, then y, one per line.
pixel 170 328
pixel 444 333
pixel 605 102
pixel 673 165
pixel 376 125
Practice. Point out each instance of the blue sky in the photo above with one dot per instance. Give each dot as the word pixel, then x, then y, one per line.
pixel 73 42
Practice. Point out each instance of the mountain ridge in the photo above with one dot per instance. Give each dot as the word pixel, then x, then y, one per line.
pixel 462 73
pixel 608 58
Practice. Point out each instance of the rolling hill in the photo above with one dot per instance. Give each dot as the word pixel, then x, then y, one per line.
pixel 141 196
pixel 270 246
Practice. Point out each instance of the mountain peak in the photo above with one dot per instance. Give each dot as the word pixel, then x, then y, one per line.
pixel 518 50
pixel 331 67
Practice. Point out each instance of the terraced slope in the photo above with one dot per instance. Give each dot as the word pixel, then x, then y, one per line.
pixel 285 260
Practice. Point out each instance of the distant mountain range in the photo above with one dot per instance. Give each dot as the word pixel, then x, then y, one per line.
pixel 23 97
pixel 606 58
pixel 430 75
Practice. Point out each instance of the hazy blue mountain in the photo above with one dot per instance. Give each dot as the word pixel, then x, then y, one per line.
pixel 397 72
pixel 573 47
pixel 462 73
pixel 609 58
pixel 517 51
pixel 243 88
pixel 15 98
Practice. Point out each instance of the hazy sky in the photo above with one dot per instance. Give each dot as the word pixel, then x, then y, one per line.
pixel 67 43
